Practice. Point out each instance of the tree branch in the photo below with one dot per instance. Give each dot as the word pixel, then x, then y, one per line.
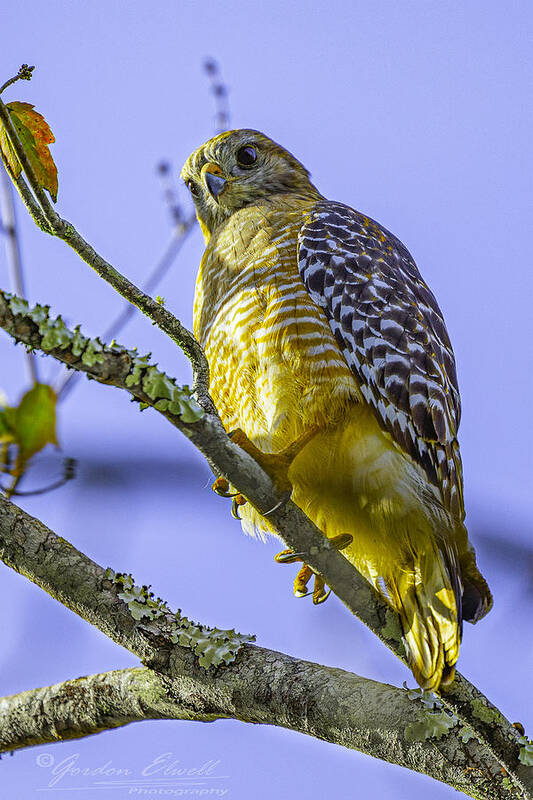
pixel 260 686
pixel 293 527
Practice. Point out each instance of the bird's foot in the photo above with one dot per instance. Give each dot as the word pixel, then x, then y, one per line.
pixel 276 465
pixel 306 572
pixel 222 488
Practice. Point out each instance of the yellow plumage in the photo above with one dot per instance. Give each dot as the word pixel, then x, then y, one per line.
pixel 277 371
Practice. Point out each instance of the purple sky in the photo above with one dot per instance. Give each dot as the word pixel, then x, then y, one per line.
pixel 415 113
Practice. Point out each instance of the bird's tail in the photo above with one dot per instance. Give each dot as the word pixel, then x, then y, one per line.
pixel 427 596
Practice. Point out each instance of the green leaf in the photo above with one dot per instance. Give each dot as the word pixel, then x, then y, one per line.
pixel 35 422
pixel 7 424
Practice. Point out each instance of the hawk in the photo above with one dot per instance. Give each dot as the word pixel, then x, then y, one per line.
pixel 321 335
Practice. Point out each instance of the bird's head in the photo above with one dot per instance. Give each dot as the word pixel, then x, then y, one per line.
pixel 240 168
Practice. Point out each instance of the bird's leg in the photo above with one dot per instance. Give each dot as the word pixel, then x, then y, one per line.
pixel 276 465
pixel 306 572
pixel 221 487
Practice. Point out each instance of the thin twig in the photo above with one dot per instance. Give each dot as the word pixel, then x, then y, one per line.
pixel 170 198
pixel 220 93
pixel 28 199
pixel 13 256
pixel 179 235
pixel 24 74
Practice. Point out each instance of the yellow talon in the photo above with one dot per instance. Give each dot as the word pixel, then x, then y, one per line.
pixel 221 487
pixel 301 580
pixel 238 500
pixel 306 572
pixel 319 593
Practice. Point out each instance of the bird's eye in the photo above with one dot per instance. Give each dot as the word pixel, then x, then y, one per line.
pixel 193 187
pixel 246 156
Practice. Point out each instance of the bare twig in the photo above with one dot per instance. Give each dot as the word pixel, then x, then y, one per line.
pixel 12 247
pixel 174 207
pixel 29 200
pixel 220 93
pixel 24 74
pixel 177 239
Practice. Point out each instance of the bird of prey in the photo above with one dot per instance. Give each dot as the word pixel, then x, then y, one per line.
pixel 322 336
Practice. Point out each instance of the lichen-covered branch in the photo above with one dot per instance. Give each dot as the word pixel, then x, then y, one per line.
pixel 124 369
pixel 259 685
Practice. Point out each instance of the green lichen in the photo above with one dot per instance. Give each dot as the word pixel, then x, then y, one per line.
pixel 140 600
pixel 466 734
pixel 391 629
pixel 429 700
pixel 211 645
pixel 167 396
pixel 433 720
pixel 433 725
pixel 139 365
pixel 163 391
pixel 93 353
pixel 485 713
pixel 525 756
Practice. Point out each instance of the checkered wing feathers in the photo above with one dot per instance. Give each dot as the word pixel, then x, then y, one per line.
pixel 391 331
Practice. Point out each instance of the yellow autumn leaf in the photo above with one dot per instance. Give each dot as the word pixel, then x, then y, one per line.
pixel 35 422
pixel 35 136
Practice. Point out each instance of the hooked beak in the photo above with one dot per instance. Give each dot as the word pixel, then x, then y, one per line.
pixel 215 181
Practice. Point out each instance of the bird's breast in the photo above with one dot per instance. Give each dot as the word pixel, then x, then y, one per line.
pixel 275 365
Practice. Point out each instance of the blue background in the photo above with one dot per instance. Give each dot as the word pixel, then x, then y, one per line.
pixel 415 113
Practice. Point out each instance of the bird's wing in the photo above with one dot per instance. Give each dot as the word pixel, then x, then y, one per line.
pixel 392 334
